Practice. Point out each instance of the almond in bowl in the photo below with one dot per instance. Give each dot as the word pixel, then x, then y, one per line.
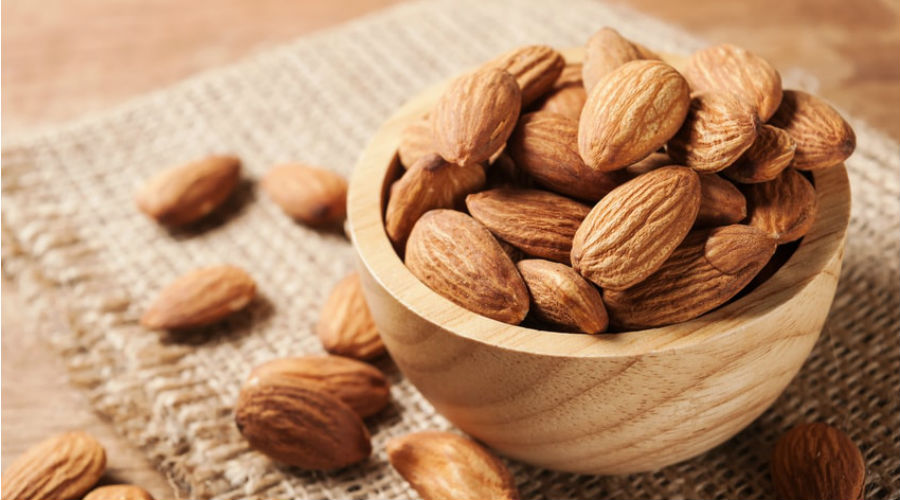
pixel 644 217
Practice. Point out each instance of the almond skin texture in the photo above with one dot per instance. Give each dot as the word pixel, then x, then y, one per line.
pixel 539 223
pixel 359 385
pixel 728 68
pixel 545 145
pixel 718 129
pixel 119 492
pixel 560 296
pixel 475 116
pixel 416 141
pixel 430 183
pixel 709 268
pixel 814 461
pixel 184 194
pixel 567 96
pixel 771 152
pixel 721 202
pixel 633 230
pixel 311 195
pixel 535 68
pixel 301 425
pixel 785 208
pixel 457 257
pixel 605 51
pixel 200 297
pixel 442 466
pixel 630 113
pixel 62 467
pixel 824 139
pixel 345 324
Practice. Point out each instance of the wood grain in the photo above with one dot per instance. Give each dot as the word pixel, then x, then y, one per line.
pixel 63 58
pixel 596 404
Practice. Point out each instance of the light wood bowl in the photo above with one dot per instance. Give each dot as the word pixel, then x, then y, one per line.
pixel 598 404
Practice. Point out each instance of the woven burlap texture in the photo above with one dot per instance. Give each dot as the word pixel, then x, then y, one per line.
pixel 86 258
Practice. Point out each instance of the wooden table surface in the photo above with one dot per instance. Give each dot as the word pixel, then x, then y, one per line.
pixel 64 58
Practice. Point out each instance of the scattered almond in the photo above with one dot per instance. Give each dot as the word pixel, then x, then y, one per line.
pixel 815 461
pixel 454 255
pixel 560 296
pixel 345 324
pixel 545 145
pixel 785 208
pixel 605 51
pixel 535 68
pixel 539 223
pixel 62 467
pixel 771 152
pixel 200 297
pixel 444 466
pixel 567 96
pixel 649 96
pixel 633 230
pixel 721 203
pixel 475 116
pixel 299 424
pixel 311 195
pixel 709 268
pixel 718 129
pixel 728 68
pixel 119 492
pixel 823 137
pixel 428 184
pixel 186 193
pixel 358 385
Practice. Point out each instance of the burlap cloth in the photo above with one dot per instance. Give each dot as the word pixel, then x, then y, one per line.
pixel 89 262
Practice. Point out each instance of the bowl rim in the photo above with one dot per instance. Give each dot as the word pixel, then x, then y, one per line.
pixel 822 244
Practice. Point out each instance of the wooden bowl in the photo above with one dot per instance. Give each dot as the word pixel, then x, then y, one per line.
pixel 597 404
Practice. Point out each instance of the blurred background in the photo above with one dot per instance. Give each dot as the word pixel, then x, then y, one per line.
pixel 62 59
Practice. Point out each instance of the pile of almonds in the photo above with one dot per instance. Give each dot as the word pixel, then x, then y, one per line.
pixel 568 196
pixel 616 192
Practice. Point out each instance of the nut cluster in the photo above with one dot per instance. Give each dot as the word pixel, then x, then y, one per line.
pixel 619 191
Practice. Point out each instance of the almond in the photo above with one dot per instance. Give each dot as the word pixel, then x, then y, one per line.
pixel 310 195
pixel 62 467
pixel 771 152
pixel 823 137
pixel 475 116
pixel 358 385
pixel 545 145
pixel 200 297
pixel 651 162
pixel 814 461
pixel 785 208
pixel 633 230
pixel 301 425
pixel 457 257
pixel 721 203
pixel 605 51
pixel 428 184
pixel 630 113
pixel 539 223
pixel 718 129
pixel 345 324
pixel 442 466
pixel 560 296
pixel 535 68
pixel 184 194
pixel 728 68
pixel 416 141
pixel 119 492
pixel 709 268
pixel 567 96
